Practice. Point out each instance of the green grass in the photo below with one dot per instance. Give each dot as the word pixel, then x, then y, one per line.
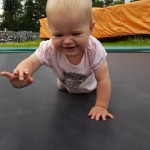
pixel 30 44
pixel 129 42
pixel 126 42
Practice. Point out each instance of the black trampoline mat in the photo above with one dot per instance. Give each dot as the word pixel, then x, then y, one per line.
pixel 40 117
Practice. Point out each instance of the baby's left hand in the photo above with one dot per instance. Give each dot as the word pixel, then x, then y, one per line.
pixel 98 112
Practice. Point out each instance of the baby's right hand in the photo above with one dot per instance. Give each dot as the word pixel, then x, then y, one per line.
pixel 18 79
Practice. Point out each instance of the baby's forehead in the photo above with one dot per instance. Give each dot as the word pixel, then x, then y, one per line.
pixel 77 17
pixel 72 22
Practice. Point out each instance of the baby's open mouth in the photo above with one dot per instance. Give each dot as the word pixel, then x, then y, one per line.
pixel 69 48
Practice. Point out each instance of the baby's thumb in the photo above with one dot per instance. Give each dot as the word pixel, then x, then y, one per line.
pixel 6 74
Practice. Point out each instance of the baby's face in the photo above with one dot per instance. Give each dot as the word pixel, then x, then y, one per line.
pixel 70 35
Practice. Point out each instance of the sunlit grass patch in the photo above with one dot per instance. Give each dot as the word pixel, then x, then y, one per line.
pixel 28 44
pixel 131 41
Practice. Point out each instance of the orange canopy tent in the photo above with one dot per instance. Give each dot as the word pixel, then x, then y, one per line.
pixel 119 20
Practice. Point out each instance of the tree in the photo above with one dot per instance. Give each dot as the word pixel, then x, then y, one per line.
pixel 40 7
pixel 116 2
pixel 29 16
pixel 22 14
pixel 11 14
pixel 134 0
pixel 33 11
pixel 97 3
pixel 108 3
pixel 39 11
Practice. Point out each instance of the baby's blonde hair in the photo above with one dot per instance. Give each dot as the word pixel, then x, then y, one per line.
pixel 68 7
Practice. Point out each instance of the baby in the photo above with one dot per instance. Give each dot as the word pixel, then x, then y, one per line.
pixel 77 58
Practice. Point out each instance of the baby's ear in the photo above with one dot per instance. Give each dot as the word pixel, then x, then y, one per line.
pixel 92 26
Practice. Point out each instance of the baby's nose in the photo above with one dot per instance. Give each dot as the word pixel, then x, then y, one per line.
pixel 67 40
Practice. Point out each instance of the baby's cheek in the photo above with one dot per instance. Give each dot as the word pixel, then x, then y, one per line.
pixel 83 44
pixel 56 43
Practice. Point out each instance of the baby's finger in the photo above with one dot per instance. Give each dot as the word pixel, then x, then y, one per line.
pixel 16 71
pixel 104 116
pixel 21 75
pixel 90 113
pixel 93 115
pixel 13 78
pixel 98 115
pixel 26 71
pixel 30 80
pixel 27 81
pixel 24 74
pixel 110 115
pixel 6 74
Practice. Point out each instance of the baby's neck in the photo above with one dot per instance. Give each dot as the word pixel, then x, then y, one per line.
pixel 75 60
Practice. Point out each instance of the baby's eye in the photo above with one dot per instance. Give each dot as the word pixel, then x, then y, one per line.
pixel 58 35
pixel 76 34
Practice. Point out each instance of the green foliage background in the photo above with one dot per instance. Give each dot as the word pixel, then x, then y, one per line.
pixel 22 15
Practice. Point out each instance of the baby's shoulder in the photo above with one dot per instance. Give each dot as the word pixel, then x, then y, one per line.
pixel 46 47
pixel 46 44
pixel 94 44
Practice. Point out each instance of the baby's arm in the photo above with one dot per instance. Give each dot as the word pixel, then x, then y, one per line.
pixel 103 94
pixel 22 74
pixel 27 66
